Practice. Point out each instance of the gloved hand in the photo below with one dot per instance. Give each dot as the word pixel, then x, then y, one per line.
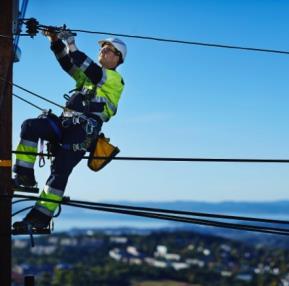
pixel 68 37
pixel 50 35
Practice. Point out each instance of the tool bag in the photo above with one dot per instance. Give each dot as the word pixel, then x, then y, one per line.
pixel 101 148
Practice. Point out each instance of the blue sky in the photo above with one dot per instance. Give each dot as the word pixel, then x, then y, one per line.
pixel 179 100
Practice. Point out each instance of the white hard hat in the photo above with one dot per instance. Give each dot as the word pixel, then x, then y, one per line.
pixel 118 44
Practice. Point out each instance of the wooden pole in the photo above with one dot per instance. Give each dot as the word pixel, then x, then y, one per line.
pixel 6 64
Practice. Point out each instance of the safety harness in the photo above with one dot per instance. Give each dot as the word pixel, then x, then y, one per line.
pixel 91 127
pixel 101 150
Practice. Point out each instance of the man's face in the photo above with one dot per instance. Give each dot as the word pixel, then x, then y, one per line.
pixel 108 56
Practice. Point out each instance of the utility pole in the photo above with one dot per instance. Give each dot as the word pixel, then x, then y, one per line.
pixel 6 64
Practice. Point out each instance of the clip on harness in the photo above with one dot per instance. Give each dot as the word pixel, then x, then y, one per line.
pixel 89 126
pixel 41 156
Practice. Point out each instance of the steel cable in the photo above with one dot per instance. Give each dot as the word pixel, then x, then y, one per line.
pixel 133 211
pixel 171 159
pixel 29 102
pixel 32 93
pixel 214 45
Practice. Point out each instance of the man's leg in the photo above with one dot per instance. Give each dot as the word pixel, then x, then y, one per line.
pixel 64 162
pixel 31 131
pixel 61 168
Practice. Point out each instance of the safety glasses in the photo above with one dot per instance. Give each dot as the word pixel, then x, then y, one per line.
pixel 110 48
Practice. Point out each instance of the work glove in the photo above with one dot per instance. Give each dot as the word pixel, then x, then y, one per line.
pixel 52 37
pixel 68 37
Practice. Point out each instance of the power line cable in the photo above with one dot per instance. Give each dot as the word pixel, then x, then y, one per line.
pixel 215 223
pixel 22 210
pixel 35 94
pixel 34 105
pixel 263 229
pixel 32 93
pixel 214 45
pixel 189 213
pixel 20 201
pixel 172 159
pixel 168 211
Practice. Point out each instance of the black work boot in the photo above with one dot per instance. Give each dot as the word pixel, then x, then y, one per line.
pixel 24 176
pixel 33 220
pixel 24 181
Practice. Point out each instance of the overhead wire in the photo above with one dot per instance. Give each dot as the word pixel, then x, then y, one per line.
pixel 22 210
pixel 189 220
pixel 33 93
pixel 41 27
pixel 66 201
pixel 157 215
pixel 29 102
pixel 159 210
pixel 214 45
pixel 21 201
pixel 190 213
pixel 171 159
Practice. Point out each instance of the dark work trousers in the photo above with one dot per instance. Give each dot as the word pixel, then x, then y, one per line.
pixel 50 129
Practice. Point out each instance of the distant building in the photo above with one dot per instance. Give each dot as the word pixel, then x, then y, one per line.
pixel 130 255
pixel 43 250
pixel 118 239
pixel 246 277
pixel 195 262
pixel 156 263
pixel 20 243
pixel 68 241
pixel 132 250
pixel 179 265
pixel 91 242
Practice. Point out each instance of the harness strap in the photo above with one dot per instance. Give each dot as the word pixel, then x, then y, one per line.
pixel 41 157
pixel 55 128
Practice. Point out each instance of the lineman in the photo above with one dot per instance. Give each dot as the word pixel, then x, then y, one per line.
pixel 94 101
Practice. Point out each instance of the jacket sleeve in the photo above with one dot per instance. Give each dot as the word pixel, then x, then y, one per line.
pixel 63 57
pixel 87 66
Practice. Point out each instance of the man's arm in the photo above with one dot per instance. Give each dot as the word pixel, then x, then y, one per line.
pixel 92 70
pixel 63 57
pixel 60 51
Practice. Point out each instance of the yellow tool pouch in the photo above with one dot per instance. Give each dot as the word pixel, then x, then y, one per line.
pixel 101 148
